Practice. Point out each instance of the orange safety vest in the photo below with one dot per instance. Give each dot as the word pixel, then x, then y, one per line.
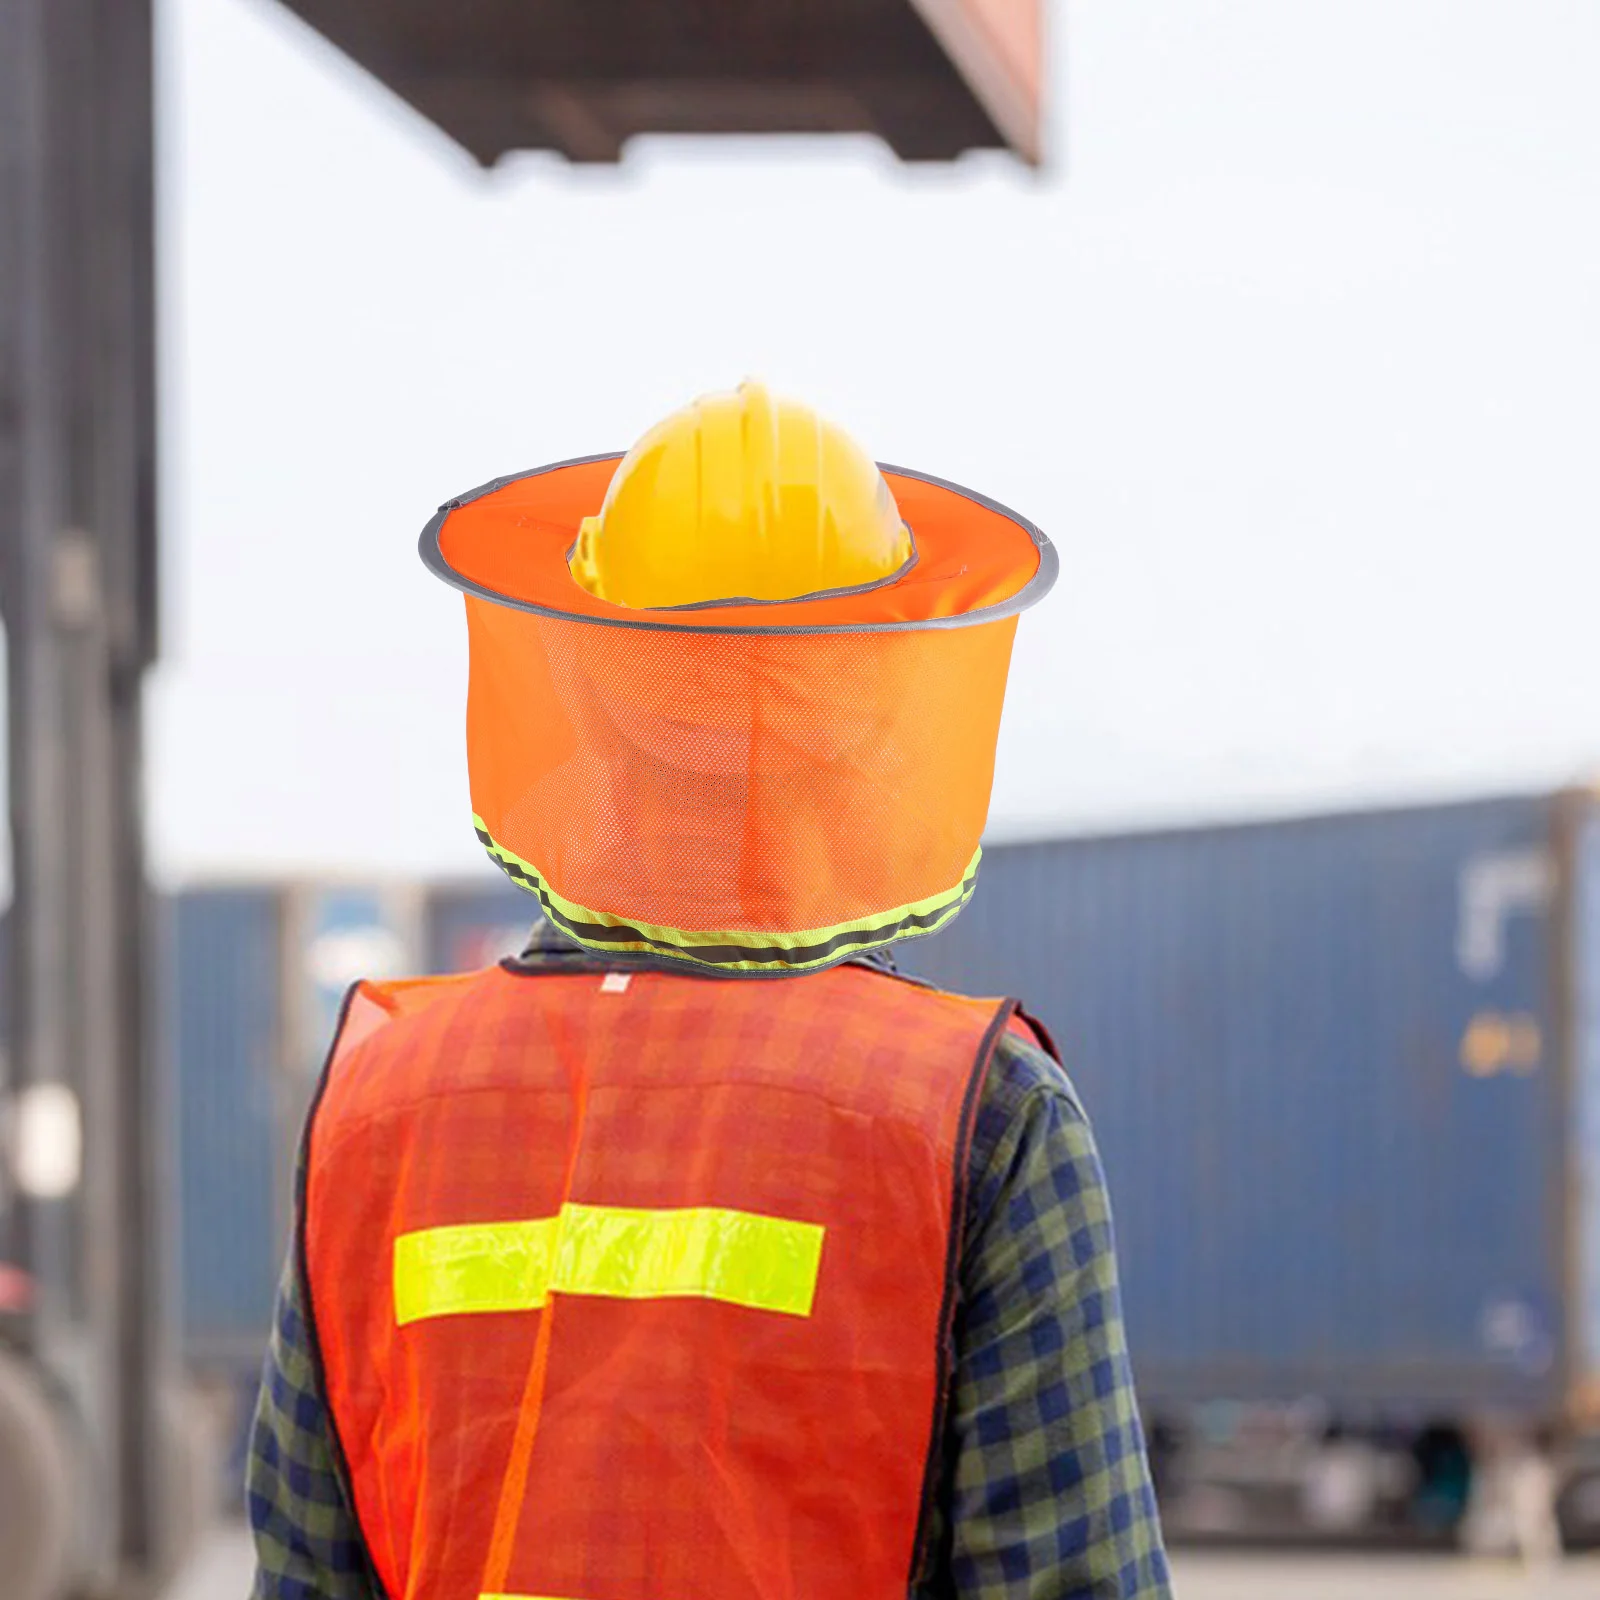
pixel 640 1287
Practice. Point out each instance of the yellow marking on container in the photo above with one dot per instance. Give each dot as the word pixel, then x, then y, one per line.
pixel 1495 1043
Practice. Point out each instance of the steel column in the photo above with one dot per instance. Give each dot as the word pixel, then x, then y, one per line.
pixel 77 581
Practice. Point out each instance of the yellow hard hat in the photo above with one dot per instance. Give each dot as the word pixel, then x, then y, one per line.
pixel 741 497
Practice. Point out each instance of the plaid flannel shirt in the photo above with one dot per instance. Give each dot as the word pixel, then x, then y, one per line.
pixel 1045 1490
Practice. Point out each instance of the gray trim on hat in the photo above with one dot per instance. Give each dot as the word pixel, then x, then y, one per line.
pixel 1033 590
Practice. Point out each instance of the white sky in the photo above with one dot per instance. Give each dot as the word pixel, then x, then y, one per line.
pixel 1295 353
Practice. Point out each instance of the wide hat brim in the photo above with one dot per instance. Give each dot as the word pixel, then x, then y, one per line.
pixel 508 542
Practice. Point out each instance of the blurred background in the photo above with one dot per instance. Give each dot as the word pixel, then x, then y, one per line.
pixel 1283 322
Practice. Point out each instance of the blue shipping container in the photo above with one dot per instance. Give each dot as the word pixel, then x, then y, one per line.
pixel 1586 1117
pixel 468 926
pixel 1345 1077
pixel 226 1012
pixel 255 980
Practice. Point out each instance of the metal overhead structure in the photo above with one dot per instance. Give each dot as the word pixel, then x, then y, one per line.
pixel 933 78
pixel 78 572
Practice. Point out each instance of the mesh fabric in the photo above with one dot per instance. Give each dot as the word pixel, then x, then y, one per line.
pixel 725 782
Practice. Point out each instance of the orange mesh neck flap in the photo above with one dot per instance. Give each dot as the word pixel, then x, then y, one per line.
pixel 748 787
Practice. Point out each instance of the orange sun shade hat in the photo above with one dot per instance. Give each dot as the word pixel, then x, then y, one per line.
pixel 753 786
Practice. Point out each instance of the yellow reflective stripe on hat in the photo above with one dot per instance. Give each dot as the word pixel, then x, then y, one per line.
pixel 703 1252
pixel 739 950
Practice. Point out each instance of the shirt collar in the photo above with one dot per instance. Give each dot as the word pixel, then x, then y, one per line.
pixel 547 942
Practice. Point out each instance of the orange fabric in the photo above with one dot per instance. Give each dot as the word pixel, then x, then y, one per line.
pixel 674 1449
pixel 515 542
pixel 750 801
pixel 753 781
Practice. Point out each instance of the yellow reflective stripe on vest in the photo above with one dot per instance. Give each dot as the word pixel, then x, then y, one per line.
pixel 704 1252
pixel 496 1266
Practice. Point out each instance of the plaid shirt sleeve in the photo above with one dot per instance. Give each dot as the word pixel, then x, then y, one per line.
pixel 1045 1485
pixel 1045 1490
pixel 308 1544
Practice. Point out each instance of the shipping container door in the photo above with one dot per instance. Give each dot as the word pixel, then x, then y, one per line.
pixel 225 982
pixel 470 926
pixel 334 935
pixel 1586 1118
pixel 1317 1058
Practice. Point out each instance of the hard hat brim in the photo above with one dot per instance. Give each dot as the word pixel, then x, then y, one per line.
pixel 508 541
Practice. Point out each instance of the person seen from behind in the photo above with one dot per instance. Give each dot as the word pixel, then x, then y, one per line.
pixel 695 1253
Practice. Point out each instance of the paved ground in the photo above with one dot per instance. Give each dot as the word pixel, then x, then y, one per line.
pixel 222 1572
pixel 1239 1577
